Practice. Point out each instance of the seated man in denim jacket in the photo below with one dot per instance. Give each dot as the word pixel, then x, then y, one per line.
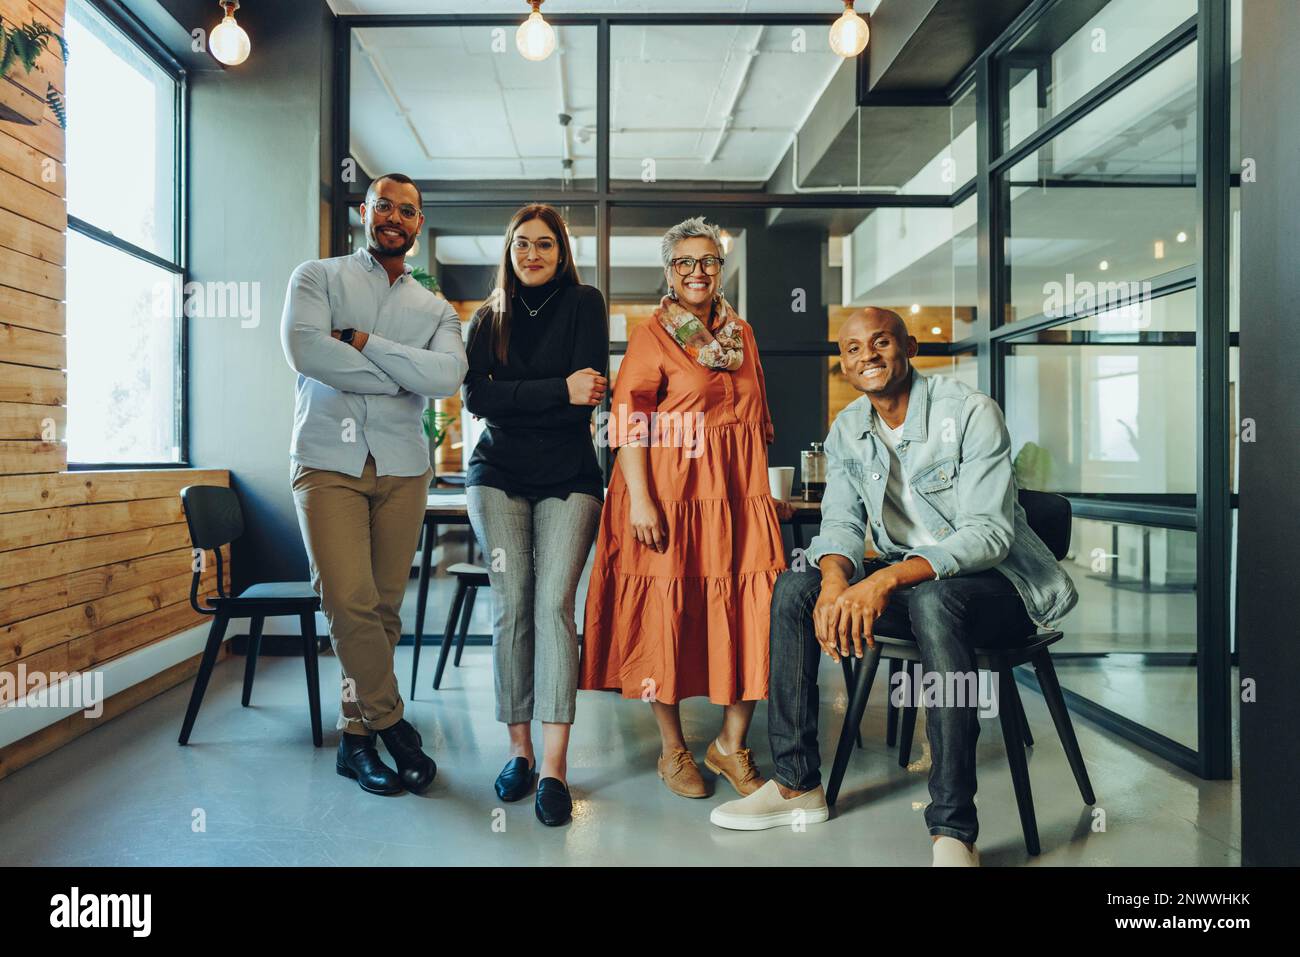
pixel 922 464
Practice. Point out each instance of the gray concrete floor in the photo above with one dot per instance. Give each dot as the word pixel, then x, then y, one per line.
pixel 127 794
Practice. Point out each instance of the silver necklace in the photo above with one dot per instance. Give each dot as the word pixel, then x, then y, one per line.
pixel 531 311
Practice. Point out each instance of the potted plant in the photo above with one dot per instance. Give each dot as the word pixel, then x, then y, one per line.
pixel 21 100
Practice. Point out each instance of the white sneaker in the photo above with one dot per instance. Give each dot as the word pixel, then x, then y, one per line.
pixel 767 808
pixel 950 852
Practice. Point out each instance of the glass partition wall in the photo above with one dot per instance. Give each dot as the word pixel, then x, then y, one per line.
pixel 1044 225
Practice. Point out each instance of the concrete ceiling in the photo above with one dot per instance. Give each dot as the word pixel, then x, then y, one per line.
pixel 688 103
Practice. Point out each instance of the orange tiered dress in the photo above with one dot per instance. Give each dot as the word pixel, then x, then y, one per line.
pixel 691 620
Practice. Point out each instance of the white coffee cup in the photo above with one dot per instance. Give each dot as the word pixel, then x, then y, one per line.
pixel 780 480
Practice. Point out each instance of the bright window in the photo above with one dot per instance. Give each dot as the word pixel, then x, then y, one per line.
pixel 124 333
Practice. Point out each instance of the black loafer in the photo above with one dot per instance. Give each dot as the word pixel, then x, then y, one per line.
pixel 358 759
pixel 554 806
pixel 515 780
pixel 415 767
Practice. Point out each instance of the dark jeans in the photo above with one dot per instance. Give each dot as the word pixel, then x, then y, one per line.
pixel 947 618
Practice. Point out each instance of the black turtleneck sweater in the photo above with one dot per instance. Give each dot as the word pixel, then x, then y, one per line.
pixel 537 445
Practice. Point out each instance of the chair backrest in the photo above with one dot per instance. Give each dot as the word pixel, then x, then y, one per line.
pixel 213 515
pixel 1048 514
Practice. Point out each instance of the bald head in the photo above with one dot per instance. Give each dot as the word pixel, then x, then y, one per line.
pixel 876 351
pixel 870 319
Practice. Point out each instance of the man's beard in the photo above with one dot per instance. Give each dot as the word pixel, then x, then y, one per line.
pixel 377 250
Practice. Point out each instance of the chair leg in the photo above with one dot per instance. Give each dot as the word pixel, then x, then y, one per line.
pixel 448 633
pixel 422 599
pixel 215 635
pixel 1015 745
pixel 847 665
pixel 907 732
pixel 250 658
pixel 1064 727
pixel 308 620
pixel 864 674
pixel 470 594
pixel 891 711
pixel 1019 706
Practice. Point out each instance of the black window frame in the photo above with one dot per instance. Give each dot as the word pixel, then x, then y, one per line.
pixel 134 31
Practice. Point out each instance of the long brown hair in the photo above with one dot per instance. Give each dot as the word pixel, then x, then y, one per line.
pixel 495 315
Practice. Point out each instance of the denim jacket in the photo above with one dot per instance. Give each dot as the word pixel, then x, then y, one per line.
pixel 955 452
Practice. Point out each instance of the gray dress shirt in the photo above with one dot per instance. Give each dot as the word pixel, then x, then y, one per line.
pixel 349 404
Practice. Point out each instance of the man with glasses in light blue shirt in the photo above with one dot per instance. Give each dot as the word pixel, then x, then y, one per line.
pixel 370 346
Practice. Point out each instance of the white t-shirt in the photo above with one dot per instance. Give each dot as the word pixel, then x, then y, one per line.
pixel 903 523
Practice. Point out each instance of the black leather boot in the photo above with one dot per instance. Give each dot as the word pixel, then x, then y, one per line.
pixel 416 768
pixel 358 759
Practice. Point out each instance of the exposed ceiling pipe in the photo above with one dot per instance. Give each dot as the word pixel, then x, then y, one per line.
pixel 729 115
pixel 566 119
pixel 382 76
pixel 795 176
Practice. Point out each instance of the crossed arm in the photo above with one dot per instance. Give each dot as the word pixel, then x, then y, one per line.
pixel 382 366
pixel 311 351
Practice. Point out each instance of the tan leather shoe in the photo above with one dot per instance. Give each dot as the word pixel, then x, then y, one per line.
pixel 682 774
pixel 737 768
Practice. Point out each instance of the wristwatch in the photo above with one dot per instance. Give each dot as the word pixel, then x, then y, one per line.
pixel 346 335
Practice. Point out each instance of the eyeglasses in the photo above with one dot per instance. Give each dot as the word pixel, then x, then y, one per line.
pixel 544 246
pixel 385 206
pixel 686 265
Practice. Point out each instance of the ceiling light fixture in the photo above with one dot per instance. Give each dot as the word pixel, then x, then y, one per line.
pixel 1181 237
pixel 916 307
pixel 228 41
pixel 849 34
pixel 536 37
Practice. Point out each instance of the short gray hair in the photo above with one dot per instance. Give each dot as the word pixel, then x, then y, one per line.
pixel 693 228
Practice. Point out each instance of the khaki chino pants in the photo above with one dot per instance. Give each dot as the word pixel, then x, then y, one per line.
pixel 361 535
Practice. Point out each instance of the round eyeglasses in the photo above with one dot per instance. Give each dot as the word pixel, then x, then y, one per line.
pixel 685 265
pixel 544 246
pixel 385 206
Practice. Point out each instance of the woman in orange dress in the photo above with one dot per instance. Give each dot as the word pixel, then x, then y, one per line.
pixel 689 545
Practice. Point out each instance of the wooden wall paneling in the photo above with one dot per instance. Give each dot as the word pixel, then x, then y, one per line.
pixel 21 308
pixel 83 488
pixel 31 274
pixel 31 238
pixel 51 594
pixel 42 526
pixel 32 422
pixel 22 565
pixel 31 201
pixel 27 384
pixel 31 635
pixel 18 458
pixel 31 348
pixel 30 164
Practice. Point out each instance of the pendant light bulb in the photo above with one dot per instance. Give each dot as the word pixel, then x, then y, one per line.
pixel 849 34
pixel 536 37
pixel 228 41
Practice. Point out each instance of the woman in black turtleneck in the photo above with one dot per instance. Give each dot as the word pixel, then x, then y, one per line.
pixel 538 353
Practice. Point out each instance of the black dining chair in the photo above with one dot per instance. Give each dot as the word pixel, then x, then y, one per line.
pixel 1049 516
pixel 215 519
pixel 469 579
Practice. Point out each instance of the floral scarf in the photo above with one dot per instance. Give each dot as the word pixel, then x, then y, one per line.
pixel 721 350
